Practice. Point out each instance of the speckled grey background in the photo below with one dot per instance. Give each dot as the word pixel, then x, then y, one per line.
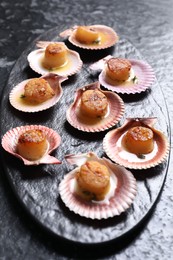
pixel 149 26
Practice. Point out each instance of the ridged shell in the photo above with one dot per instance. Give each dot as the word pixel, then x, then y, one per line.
pixel 108 37
pixel 17 102
pixel 142 70
pixel 125 190
pixel 86 124
pixel 10 139
pixel 115 151
pixel 72 66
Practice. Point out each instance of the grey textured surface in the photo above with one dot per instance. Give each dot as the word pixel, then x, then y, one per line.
pixel 148 25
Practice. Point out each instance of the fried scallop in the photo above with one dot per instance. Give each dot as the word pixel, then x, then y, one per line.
pixel 139 140
pixel 32 144
pixel 87 34
pixel 94 103
pixel 37 90
pixel 93 180
pixel 118 69
pixel 55 55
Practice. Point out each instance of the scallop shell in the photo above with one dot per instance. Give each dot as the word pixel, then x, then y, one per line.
pixel 115 151
pixel 71 67
pixel 86 124
pixel 10 139
pixel 108 37
pixel 17 102
pixel 121 199
pixel 142 70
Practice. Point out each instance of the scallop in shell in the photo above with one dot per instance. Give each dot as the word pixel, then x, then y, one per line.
pixel 113 146
pixel 141 77
pixel 17 99
pixel 10 141
pixel 107 37
pixel 71 67
pixel 119 198
pixel 87 124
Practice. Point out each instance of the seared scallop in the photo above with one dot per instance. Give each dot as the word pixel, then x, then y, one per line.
pixel 55 55
pixel 32 144
pixel 118 69
pixel 38 90
pixel 94 103
pixel 93 179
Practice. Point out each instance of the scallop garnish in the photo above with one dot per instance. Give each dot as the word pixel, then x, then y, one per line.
pixel 92 37
pixel 122 191
pixel 10 142
pixel 116 148
pixel 140 79
pixel 89 123
pixel 36 61
pixel 19 101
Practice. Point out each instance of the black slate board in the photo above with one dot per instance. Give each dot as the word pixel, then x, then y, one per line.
pixel 37 186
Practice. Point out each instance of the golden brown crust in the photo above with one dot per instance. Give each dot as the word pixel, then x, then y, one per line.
pixel 118 69
pixel 32 144
pixel 86 34
pixel 38 90
pixel 32 136
pixel 94 103
pixel 139 140
pixel 55 55
pixel 94 178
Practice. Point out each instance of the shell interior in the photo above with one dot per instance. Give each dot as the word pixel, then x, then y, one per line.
pixel 141 78
pixel 16 95
pixel 112 144
pixel 107 37
pixel 120 200
pixel 87 124
pixel 10 140
pixel 71 67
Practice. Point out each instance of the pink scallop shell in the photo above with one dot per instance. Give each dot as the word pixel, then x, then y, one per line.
pixel 86 124
pixel 73 65
pixel 108 32
pixel 125 190
pixel 142 70
pixel 115 151
pixel 10 139
pixel 16 93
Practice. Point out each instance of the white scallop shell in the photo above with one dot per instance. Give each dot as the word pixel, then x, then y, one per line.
pixel 86 124
pixel 116 152
pixel 71 67
pixel 142 70
pixel 108 37
pixel 17 101
pixel 10 140
pixel 122 198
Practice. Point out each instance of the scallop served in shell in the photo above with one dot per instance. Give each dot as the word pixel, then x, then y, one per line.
pixel 144 153
pixel 119 197
pixel 141 75
pixel 32 144
pixel 69 65
pixel 91 37
pixel 41 94
pixel 89 115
